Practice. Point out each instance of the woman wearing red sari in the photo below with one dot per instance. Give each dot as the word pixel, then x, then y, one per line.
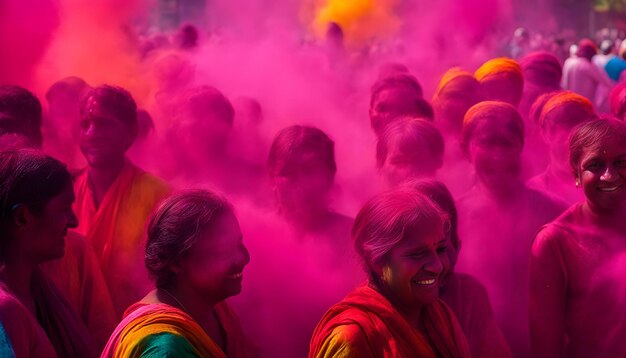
pixel 401 238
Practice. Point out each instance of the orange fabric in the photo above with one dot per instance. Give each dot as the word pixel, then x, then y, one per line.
pixel 365 324
pixel 80 279
pixel 499 67
pixel 563 98
pixel 143 320
pixel 455 80
pixel 116 229
pixel 494 111
pixel 537 107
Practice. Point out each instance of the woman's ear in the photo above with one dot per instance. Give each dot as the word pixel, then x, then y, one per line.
pixel 20 215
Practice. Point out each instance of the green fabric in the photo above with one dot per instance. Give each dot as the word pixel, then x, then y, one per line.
pixel 6 350
pixel 166 345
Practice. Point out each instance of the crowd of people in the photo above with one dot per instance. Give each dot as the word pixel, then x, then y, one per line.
pixel 495 228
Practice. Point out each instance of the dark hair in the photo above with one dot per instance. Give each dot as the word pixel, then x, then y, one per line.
pixel 298 138
pixel 440 195
pixel 205 99
pixel 175 227
pixel 24 110
pixel 145 124
pixel 397 80
pixel 592 134
pixel 188 36
pixel 423 109
pixel 334 31
pixel 586 49
pixel 72 86
pixel 113 100
pixel 537 107
pixel 410 132
pixel 390 69
pixel 384 220
pixel 29 177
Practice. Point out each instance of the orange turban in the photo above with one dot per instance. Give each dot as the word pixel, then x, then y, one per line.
pixel 501 112
pixel 564 98
pixel 502 69
pixel 456 80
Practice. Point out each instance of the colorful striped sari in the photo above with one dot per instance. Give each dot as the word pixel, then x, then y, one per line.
pixel 160 328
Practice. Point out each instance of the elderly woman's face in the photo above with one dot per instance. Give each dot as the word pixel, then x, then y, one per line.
pixel 415 265
pixel 389 104
pixel 214 265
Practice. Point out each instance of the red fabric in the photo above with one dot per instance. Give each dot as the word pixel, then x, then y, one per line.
pixel 116 229
pixel 384 332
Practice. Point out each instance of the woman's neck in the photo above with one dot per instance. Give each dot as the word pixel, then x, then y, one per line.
pixel 199 308
pixel 305 220
pixel 413 314
pixel 504 196
pixel 608 219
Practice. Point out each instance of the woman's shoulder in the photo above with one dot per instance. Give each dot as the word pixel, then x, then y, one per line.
pixel 23 332
pixel 561 231
pixel 345 340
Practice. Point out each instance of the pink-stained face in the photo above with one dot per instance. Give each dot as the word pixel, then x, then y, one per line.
pixel 46 239
pixel 104 138
pixel 401 166
pixel 495 151
pixel 214 265
pixel 452 105
pixel 557 133
pixel 391 103
pixel 448 262
pixel 603 175
pixel 415 265
pixel 303 183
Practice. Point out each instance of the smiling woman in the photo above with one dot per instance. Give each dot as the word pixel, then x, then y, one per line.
pixel 577 265
pixel 196 256
pixel 401 238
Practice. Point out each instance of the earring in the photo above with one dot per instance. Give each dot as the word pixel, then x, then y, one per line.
pixel 577 184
